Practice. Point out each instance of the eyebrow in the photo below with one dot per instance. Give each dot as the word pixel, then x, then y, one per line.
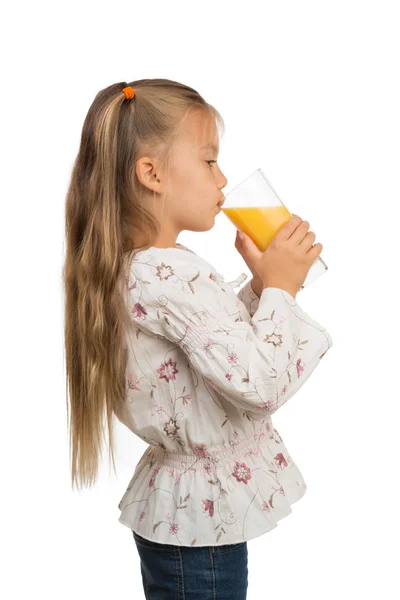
pixel 212 146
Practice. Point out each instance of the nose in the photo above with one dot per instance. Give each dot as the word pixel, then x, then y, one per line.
pixel 224 181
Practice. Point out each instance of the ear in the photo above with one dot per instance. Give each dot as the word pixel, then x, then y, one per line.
pixel 148 175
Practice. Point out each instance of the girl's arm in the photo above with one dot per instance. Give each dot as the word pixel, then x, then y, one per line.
pixel 257 366
pixel 250 294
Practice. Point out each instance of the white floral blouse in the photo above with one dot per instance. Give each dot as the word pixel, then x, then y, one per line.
pixel 206 370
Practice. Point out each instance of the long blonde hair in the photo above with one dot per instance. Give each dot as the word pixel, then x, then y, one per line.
pixel 103 204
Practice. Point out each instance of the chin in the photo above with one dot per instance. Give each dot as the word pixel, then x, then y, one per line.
pixel 212 223
pixel 199 227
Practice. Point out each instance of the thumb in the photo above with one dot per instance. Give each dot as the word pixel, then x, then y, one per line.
pixel 247 247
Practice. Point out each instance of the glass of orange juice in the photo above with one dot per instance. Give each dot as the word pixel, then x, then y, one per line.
pixel 254 207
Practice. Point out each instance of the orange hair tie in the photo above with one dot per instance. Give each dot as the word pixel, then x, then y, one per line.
pixel 129 92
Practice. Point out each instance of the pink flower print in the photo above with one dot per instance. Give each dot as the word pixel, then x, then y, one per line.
pixel 274 338
pixel 139 311
pixel 208 506
pixel 131 384
pixel 173 528
pixel 171 473
pixel 168 370
pixel 207 468
pixel 168 517
pixel 282 491
pixel 208 346
pixel 268 405
pixel 284 390
pixel 171 427
pixel 232 357
pixel 241 472
pixel 212 276
pixel 186 399
pixel 141 516
pixel 280 461
pixel 235 433
pixel 228 376
pixel 255 451
pixel 153 477
pixel 266 507
pixel 164 271
pixel 200 450
pixel 299 367
pixel 158 407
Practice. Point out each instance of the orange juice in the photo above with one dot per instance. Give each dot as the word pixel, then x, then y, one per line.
pixel 261 223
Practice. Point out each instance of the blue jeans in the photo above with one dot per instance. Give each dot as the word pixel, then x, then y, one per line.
pixel 190 573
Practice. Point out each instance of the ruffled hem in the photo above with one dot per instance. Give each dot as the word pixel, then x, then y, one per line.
pixel 225 495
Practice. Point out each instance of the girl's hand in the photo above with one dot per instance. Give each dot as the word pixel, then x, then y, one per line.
pixel 287 259
pixel 256 283
pixel 255 252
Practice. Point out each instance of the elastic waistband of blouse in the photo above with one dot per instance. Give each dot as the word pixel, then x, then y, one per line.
pixel 203 453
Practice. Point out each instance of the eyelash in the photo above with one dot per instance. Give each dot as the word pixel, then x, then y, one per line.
pixel 210 161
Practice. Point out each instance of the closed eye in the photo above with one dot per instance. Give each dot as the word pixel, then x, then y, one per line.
pixel 210 161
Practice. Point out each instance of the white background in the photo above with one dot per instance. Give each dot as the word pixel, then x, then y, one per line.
pixel 310 93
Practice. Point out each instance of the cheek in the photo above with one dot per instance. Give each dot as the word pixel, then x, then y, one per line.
pixel 192 187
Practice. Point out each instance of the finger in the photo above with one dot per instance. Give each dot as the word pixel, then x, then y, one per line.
pixel 300 233
pixel 307 243
pixel 249 248
pixel 288 228
pixel 315 251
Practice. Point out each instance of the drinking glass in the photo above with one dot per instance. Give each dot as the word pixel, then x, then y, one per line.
pixel 254 207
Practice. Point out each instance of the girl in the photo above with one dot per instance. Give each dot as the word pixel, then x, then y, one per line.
pixel 156 337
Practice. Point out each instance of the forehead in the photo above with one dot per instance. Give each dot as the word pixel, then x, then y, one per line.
pixel 201 132
pixel 213 147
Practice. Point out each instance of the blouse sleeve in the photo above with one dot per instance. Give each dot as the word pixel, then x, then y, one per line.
pixel 256 366
pixel 249 298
